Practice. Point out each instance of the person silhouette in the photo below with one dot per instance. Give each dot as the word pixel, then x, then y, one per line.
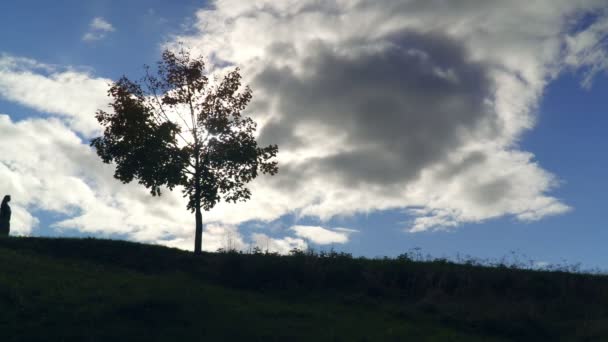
pixel 5 216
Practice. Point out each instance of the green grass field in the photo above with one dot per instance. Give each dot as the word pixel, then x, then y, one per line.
pixel 102 290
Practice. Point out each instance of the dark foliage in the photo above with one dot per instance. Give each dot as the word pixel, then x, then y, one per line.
pixel 142 147
pixel 180 129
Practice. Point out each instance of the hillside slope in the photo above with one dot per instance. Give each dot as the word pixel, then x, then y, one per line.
pixel 94 290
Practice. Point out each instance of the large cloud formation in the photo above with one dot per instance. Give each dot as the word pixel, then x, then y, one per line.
pixel 375 105
pixel 400 104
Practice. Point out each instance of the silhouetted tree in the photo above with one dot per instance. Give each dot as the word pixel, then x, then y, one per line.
pixel 179 128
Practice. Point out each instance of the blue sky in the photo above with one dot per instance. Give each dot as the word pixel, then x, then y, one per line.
pixel 534 84
pixel 53 32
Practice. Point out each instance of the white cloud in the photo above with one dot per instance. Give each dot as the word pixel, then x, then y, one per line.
pixel 73 95
pixel 45 166
pixel 276 245
pixel 588 48
pixel 323 236
pixel 332 87
pixel 541 264
pixel 214 237
pixel 101 24
pixel 98 28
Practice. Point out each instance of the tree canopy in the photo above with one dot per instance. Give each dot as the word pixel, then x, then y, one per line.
pixel 178 127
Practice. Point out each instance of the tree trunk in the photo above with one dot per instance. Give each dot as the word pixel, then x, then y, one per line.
pixel 198 236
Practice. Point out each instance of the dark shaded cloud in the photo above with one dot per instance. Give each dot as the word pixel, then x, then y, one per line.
pixel 400 104
pixel 449 169
pixel 492 192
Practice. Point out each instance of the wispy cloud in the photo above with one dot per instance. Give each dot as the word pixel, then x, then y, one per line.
pixel 323 236
pixel 43 88
pixel 98 29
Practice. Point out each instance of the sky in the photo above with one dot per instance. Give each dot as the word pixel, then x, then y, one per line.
pixel 457 127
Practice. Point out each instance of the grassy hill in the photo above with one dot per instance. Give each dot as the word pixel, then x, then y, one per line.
pixel 100 290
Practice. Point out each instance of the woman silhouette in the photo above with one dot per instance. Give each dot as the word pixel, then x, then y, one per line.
pixel 5 216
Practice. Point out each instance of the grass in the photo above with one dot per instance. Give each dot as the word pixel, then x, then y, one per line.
pixel 98 290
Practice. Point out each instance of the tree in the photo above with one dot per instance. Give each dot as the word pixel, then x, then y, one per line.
pixel 179 128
